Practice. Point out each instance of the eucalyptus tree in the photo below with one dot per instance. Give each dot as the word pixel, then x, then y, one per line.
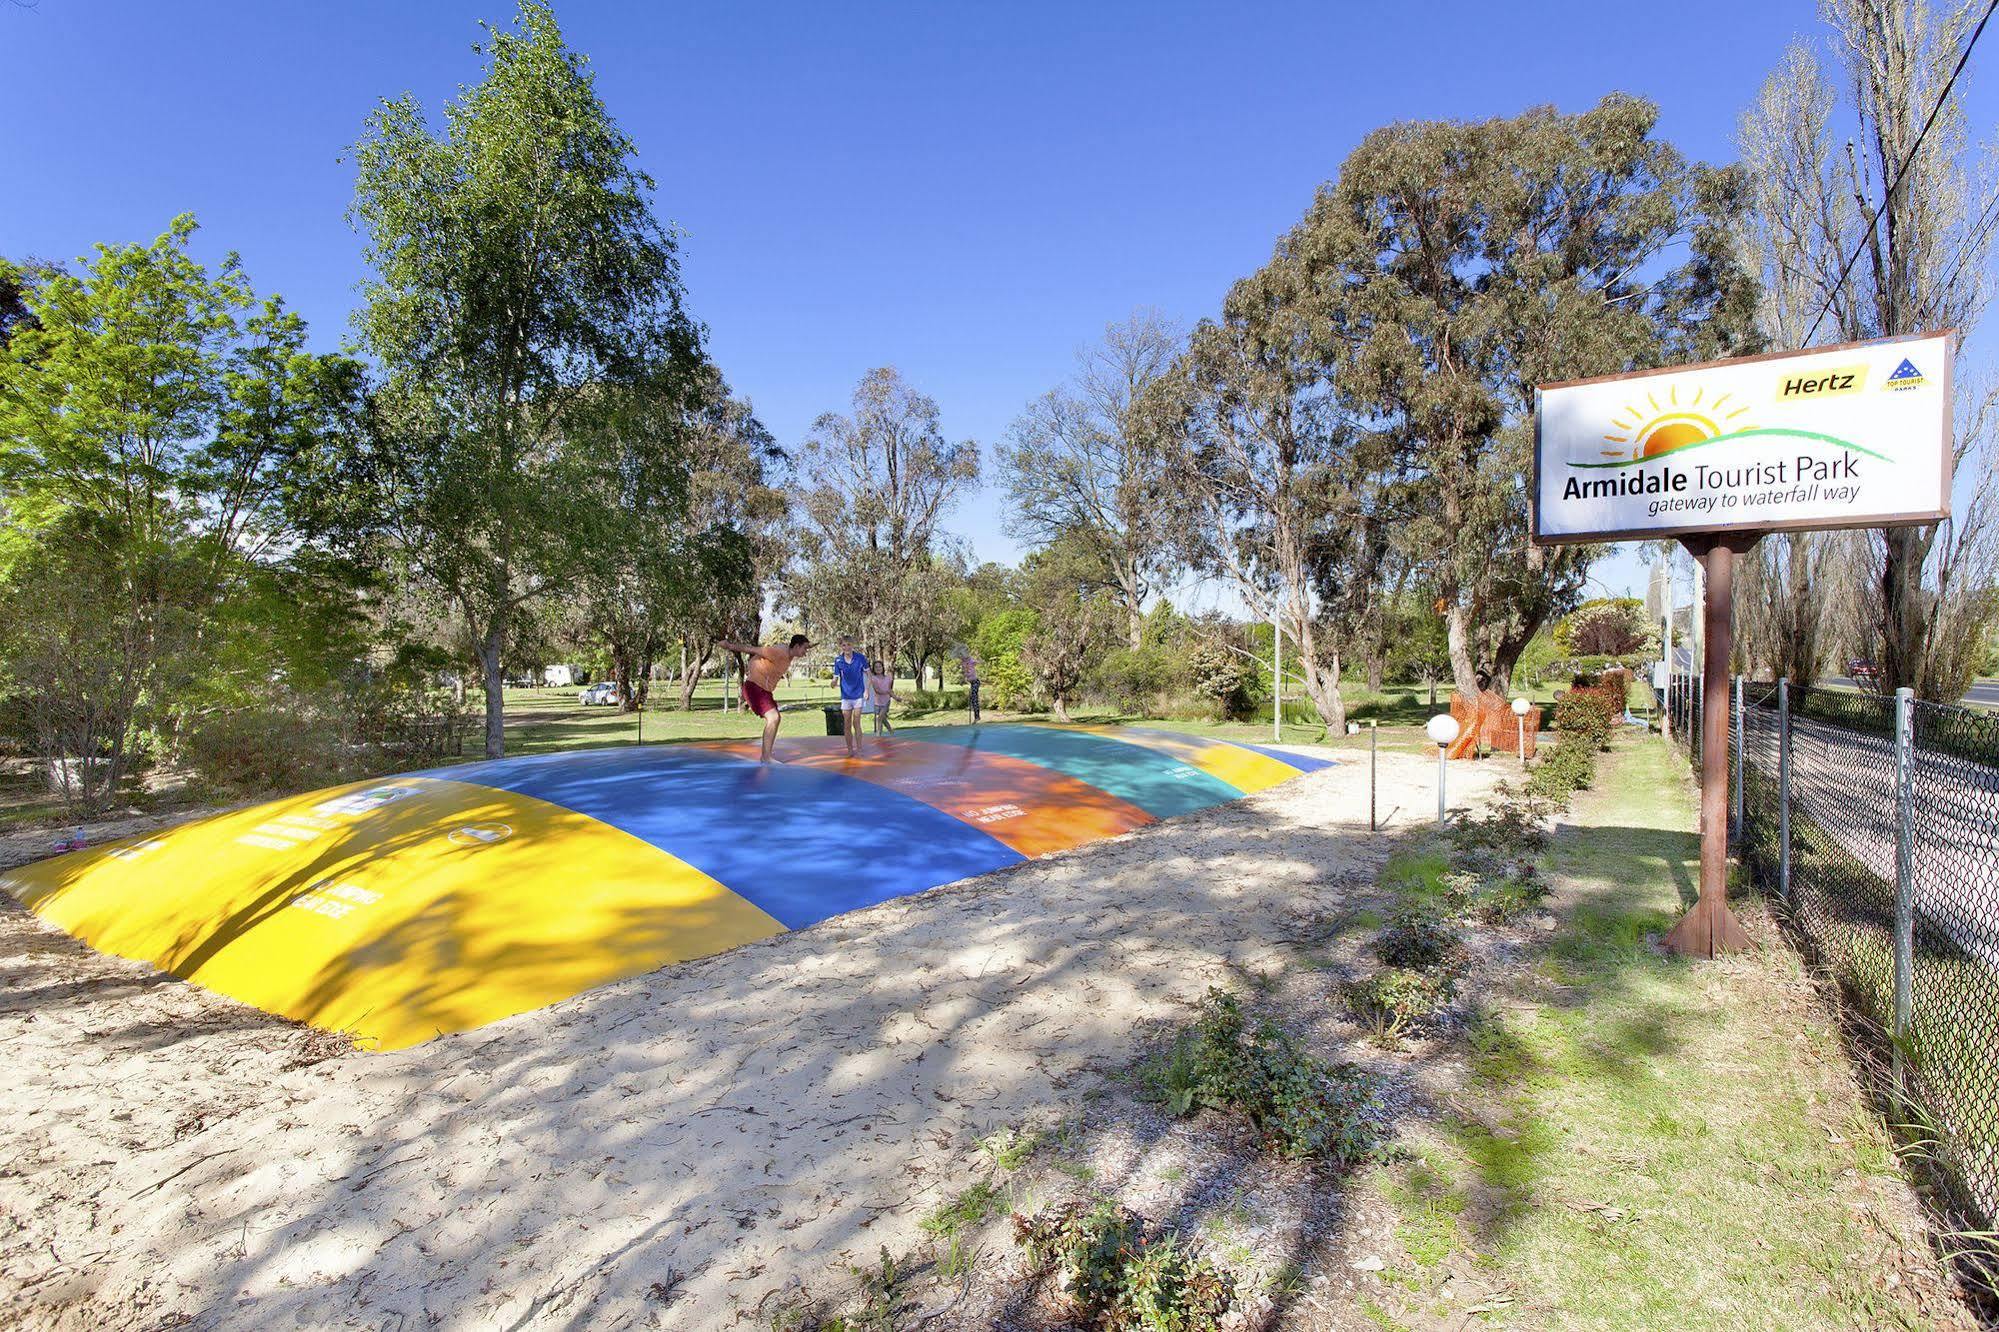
pixel 1844 258
pixel 874 486
pixel 1451 266
pixel 1074 596
pixel 1272 474
pixel 1086 462
pixel 524 295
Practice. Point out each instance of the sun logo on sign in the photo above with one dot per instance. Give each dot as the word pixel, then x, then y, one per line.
pixel 1652 428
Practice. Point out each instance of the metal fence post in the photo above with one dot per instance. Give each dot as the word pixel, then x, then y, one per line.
pixel 1373 763
pixel 1735 738
pixel 1784 790
pixel 1905 878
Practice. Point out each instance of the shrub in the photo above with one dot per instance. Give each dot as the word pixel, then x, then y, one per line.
pixel 1117 1275
pixel 1567 768
pixel 1510 899
pixel 1225 678
pixel 1302 1105
pixel 1586 713
pixel 1134 679
pixel 1513 826
pixel 1418 940
pixel 1394 999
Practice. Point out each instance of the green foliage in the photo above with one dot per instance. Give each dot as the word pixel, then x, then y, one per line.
pixel 1010 1148
pixel 1304 1106
pixel 1420 940
pixel 1394 999
pixel 1225 678
pixel 1567 768
pixel 1075 613
pixel 1432 228
pixel 525 309
pixel 167 444
pixel 971 1208
pixel 1118 1276
pixel 1586 713
pixel 998 645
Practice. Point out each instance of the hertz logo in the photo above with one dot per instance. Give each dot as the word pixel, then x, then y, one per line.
pixel 1823 383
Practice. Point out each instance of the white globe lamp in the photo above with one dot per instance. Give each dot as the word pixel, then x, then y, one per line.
pixel 1442 728
pixel 1520 709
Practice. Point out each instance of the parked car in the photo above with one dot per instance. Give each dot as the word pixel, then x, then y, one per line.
pixel 601 693
pixel 1863 672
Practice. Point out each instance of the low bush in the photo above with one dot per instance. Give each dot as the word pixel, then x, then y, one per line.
pixel 1567 768
pixel 1118 1275
pixel 1302 1105
pixel 1394 999
pixel 1419 940
pixel 1515 825
pixel 1587 714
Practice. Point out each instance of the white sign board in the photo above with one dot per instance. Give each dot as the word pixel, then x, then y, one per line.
pixel 1850 436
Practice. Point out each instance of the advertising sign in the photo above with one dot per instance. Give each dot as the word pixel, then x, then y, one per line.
pixel 1849 436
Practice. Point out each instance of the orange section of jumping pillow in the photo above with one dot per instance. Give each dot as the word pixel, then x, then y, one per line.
pixel 1034 810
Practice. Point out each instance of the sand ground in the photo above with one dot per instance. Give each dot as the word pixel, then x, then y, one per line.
pixel 664 1152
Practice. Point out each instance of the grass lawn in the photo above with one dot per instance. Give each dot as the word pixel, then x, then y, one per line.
pixel 1647 1142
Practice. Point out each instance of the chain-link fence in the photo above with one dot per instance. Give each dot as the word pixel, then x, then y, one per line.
pixel 1873 821
pixel 1682 711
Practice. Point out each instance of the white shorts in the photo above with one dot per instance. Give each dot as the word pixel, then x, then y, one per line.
pixel 852 704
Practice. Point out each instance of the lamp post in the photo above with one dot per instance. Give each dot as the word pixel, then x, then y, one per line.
pixel 1520 723
pixel 1442 728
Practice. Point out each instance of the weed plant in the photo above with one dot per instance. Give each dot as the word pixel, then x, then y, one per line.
pixel 1117 1276
pixel 1302 1105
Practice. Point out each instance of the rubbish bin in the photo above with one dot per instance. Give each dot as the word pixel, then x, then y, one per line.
pixel 834 724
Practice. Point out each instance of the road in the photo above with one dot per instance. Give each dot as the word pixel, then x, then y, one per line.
pixel 1844 781
pixel 1982 694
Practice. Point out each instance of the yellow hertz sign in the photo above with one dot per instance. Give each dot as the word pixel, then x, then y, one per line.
pixel 493 903
pixel 1822 383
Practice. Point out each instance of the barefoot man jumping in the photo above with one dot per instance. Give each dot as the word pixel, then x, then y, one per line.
pixel 766 667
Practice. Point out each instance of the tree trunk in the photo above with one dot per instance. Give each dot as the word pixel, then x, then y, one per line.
pixel 1904 616
pixel 1464 671
pixel 495 683
pixel 690 679
pixel 1134 625
pixel 1376 663
pixel 1061 709
pixel 621 675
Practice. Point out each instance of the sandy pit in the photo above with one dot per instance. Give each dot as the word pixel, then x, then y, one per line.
pixel 663 1152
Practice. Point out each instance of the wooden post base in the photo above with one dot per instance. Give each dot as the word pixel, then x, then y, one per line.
pixel 1698 936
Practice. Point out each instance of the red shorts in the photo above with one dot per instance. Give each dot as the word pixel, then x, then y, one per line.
pixel 758 698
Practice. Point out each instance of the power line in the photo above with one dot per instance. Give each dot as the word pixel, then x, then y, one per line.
pixel 1907 161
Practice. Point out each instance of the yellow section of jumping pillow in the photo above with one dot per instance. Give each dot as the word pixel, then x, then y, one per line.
pixel 393 910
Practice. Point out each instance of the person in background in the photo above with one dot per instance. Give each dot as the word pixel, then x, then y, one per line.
pixel 881 692
pixel 766 667
pixel 968 666
pixel 850 668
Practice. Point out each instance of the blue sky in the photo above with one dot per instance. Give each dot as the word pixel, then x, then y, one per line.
pixel 969 193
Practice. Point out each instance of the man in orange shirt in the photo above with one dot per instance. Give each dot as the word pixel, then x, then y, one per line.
pixel 766 668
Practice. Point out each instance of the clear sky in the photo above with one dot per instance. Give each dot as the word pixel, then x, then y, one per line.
pixel 967 192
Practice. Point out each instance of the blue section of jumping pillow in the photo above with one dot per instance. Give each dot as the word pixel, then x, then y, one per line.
pixel 1157 783
pixel 801 843
pixel 1302 762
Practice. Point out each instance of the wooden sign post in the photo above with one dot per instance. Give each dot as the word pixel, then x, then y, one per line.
pixel 1709 928
pixel 1715 456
